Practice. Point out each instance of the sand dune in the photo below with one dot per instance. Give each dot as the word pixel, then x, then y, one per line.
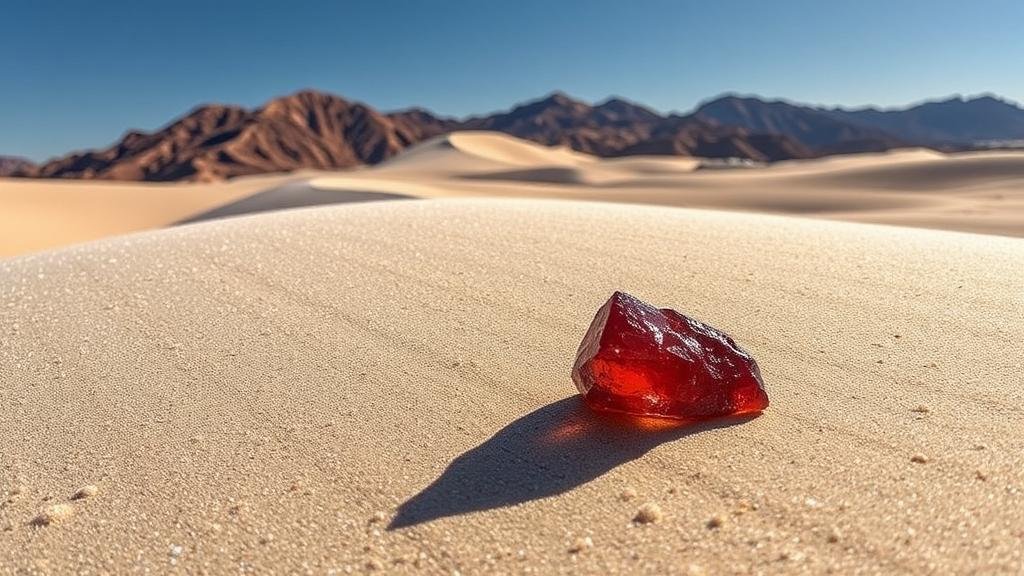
pixel 386 386
pixel 933 174
pixel 40 214
pixel 463 153
pixel 975 192
pixel 292 195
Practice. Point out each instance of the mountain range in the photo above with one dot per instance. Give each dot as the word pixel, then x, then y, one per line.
pixel 311 129
pixel 14 164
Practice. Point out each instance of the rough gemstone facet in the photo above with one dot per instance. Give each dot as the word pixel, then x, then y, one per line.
pixel 640 360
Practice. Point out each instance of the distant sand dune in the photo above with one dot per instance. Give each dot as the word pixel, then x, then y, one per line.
pixel 41 214
pixel 937 174
pixel 514 151
pixel 469 152
pixel 973 192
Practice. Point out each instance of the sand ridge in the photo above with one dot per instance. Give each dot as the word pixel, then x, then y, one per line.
pixel 382 387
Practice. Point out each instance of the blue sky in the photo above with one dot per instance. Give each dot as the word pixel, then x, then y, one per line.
pixel 77 74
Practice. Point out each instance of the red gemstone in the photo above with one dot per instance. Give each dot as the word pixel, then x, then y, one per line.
pixel 641 360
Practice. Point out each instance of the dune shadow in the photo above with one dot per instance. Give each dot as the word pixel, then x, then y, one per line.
pixel 286 196
pixel 547 452
pixel 547 175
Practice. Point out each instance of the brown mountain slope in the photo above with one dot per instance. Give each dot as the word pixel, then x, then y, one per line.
pixel 14 165
pixel 304 130
pixel 819 130
pixel 558 120
pixel 171 153
pixel 617 127
pixel 691 136
pixel 957 120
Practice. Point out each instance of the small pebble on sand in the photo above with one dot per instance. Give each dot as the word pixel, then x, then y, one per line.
pixel 921 409
pixel 627 494
pixel 87 491
pixel 744 506
pixel 981 475
pixel 54 514
pixel 377 517
pixel 833 536
pixel 919 459
pixel 716 521
pixel 791 555
pixel 648 514
pixel 581 544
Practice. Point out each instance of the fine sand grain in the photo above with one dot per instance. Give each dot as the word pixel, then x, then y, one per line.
pixel 385 386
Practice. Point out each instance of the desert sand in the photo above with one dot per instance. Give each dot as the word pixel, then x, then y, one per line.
pixel 385 386
pixel 979 192
pixel 40 214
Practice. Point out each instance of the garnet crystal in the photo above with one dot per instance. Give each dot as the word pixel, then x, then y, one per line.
pixel 641 360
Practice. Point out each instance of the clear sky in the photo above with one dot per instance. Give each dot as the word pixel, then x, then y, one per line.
pixel 77 74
